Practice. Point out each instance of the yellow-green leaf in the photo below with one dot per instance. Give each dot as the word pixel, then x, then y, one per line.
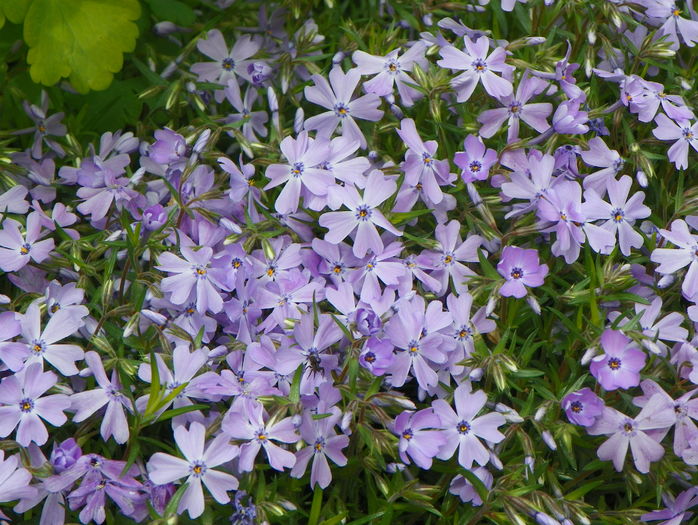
pixel 83 40
pixel 13 10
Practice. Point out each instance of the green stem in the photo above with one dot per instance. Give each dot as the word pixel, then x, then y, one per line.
pixel 317 505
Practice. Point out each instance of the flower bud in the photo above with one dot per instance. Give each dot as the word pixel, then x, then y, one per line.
pixel 548 439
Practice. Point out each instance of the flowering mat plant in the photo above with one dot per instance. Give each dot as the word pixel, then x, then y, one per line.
pixel 348 262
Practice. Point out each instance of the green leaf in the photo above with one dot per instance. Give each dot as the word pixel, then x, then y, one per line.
pixel 172 11
pixel 81 39
pixel 13 10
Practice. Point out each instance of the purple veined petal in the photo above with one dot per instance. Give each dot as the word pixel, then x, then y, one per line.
pixel 278 457
pixel 51 408
pixel 424 374
pixel 97 205
pixel 62 324
pixel 344 84
pixel 379 219
pixel 368 64
pixel 667 128
pixel 287 201
pixel 400 368
pixel 600 240
pixel 628 238
pixel 513 288
pixel 317 180
pixel 324 123
pixel 30 429
pixel 689 287
pixel 213 46
pixel 248 453
pixel 645 450
pixel 114 423
pixel 333 449
pixel 36 382
pixel 492 120
pixel 614 449
pixel 453 58
pixel 169 262
pixel 367 237
pixel 472 450
pixel 496 86
pixel 163 468
pixel 320 472
pixel 339 223
pixel 30 322
pixel 381 84
pixel 193 499
pixel 219 484
pixel 62 357
pixel 302 458
pixel 191 442
pixel 9 419
pixel 446 414
pixel 41 250
pixel 536 115
pixel 179 286
pixel 468 404
pixel 283 431
pixel 678 154
pixel 244 48
pixel 464 85
pixel 486 427
pixel 670 260
pixel 87 403
pixel 94 362
pixel 478 47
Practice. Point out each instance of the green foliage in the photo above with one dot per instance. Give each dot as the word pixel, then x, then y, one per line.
pixel 13 10
pixel 92 36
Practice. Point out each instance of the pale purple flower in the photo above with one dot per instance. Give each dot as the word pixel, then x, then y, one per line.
pixel 14 479
pixel 392 68
pixel 23 406
pixel 569 120
pixel 671 260
pixel 227 64
pixel 466 327
pixel 198 464
pixel 419 436
pixel 463 428
pixel 363 215
pixel 620 364
pixel 476 161
pixel 12 354
pixel 582 407
pixel 44 127
pixel 677 510
pixel 626 431
pixel 601 156
pixel 517 108
pixel 247 423
pixel 303 172
pixel 461 486
pixel 477 65
pixel 194 279
pixel 252 121
pixel 384 267
pixel 107 393
pixel 620 214
pixel 682 132
pixel 674 25
pixel 16 250
pixel 336 96
pixel 520 268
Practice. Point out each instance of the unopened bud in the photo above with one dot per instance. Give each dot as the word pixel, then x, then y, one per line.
pixel 666 280
pixel 476 374
pixel 641 178
pixel 540 413
pixel 338 57
pixel 298 121
pixel 548 439
pixel 588 355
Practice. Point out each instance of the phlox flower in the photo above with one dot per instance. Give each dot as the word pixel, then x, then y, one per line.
pixel 419 436
pixel 520 268
pixel 674 24
pixel 620 364
pixel 198 464
pixel 476 161
pixel 682 132
pixel 600 155
pixel 582 407
pixel 671 260
pixel 16 250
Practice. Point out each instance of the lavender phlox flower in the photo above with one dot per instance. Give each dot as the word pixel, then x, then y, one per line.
pixel 109 187
pixel 198 464
pixel 304 157
pixel 16 250
pixel 532 177
pixel 520 268
pixel 381 266
pixel 377 356
pixel 620 214
pixel 420 439
pixel 517 108
pixel 564 75
pixel 477 65
pixel 288 297
pixel 626 431
pixel 281 257
pixel 169 147
pixel 582 407
pixel 65 454
pixel 463 430
pixel 420 166
pixel 23 406
pixel 568 119
pixel 336 96
pixel 44 127
pixel 12 354
pixel 390 69
pixel 476 161
pixel 671 260
pixel 465 490
pixel 620 364
pixel 601 156
pixel 655 97
pixel 677 510
pixel 674 25
pixel 14 479
pixel 13 200
pixel 244 514
pixel 415 332
pixel 107 393
pixel 236 263
pixel 656 330
pixel 335 260
pixel 249 423
pixel 322 443
pixel 446 259
pixel 682 132
pixel 363 215
pixel 252 121
pixel 685 407
pixel 465 326
pixel 417 267
pixel 227 64
pixel 194 278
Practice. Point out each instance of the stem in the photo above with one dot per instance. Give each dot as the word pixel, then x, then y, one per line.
pixel 317 505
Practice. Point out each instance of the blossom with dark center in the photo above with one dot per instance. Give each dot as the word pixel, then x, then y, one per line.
pixel 520 268
pixel 197 465
pixel 420 437
pixel 476 161
pixel 582 407
pixel 671 260
pixel 620 364
pixel 16 250
pixel 682 132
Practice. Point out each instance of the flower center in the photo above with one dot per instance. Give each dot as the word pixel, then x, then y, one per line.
pixel 479 65
pixel 338 268
pixel 236 263
pixel 475 166
pixel 200 271
pixel 463 427
pixel 617 215
pixel 413 347
pixel 37 347
pixel 363 213
pixel 26 405
pixel 516 272
pixel 407 434
pixel 262 436
pixel 25 248
pixel 197 469
pixel 228 64
pixel 515 108
pixel 341 110
pixel 297 169
pixel 464 333
pixel 576 407
pixel 687 134
pixel 614 363
pixel 676 11
pixel 370 357
pixel 319 445
pixel 55 308
pixel 392 66
pixel 427 159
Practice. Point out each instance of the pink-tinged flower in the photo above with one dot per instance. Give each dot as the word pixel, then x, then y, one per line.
pixel 194 279
pixel 197 465
pixel 620 214
pixel 516 108
pixel 302 172
pixel 420 165
pixel 626 431
pixel 107 393
pixel 520 268
pixel 671 260
pixel 620 364
pixel 363 215
pixel 419 436
pixel 463 430
pixel 415 332
pixel 228 64
pixel 476 161
pixel 582 407
pixel 337 97
pixel 16 250
pixel 323 442
pixel 682 132
pixel 246 422
pixel 24 408
pixel 477 66
pixel 392 68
